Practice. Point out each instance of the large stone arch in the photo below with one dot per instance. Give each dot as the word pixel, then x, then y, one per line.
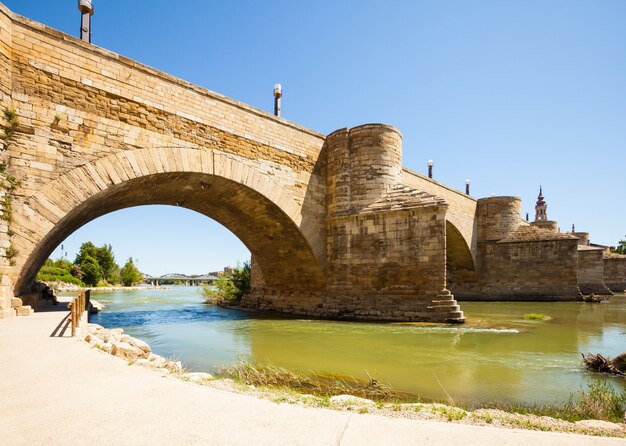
pixel 253 206
pixel 460 267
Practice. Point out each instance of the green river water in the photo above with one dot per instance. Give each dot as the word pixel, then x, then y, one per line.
pixel 496 355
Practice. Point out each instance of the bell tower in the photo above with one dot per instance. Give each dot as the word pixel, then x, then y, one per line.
pixel 541 208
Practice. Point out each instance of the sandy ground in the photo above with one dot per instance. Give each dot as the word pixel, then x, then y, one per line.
pixel 56 390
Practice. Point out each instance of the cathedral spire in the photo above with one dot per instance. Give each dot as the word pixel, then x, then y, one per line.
pixel 541 208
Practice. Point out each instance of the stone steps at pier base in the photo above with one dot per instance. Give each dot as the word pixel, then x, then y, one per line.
pixel 445 308
pixel 24 310
pixel 7 314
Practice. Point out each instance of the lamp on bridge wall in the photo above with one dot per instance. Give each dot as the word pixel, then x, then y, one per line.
pixel 430 168
pixel 86 9
pixel 467 185
pixel 278 94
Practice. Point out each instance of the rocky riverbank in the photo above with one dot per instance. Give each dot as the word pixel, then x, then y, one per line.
pixel 139 353
pixel 135 351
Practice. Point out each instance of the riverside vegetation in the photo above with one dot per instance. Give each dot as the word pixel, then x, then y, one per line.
pixel 228 289
pixel 94 266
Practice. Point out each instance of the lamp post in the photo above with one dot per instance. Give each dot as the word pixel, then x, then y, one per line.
pixel 86 9
pixel 278 93
pixel 430 168
pixel 467 185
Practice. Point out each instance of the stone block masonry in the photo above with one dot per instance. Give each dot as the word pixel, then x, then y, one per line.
pixel 615 272
pixel 591 271
pixel 518 261
pixel 99 132
pixel 336 226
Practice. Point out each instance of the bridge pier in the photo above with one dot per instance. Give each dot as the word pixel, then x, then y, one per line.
pixel 386 242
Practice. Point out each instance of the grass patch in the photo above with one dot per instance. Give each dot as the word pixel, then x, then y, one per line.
pixel 450 413
pixel 271 376
pixel 537 317
pixel 600 402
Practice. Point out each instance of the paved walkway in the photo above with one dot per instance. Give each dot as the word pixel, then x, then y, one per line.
pixel 56 390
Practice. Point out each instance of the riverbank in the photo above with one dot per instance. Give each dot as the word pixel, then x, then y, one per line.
pixel 137 352
pixel 70 288
pixel 58 390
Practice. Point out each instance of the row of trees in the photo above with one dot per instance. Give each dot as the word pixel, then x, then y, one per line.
pixel 93 266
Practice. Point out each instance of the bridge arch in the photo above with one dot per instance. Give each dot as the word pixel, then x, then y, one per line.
pixel 460 266
pixel 250 204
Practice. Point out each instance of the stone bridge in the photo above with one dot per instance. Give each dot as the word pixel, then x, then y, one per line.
pixel 336 227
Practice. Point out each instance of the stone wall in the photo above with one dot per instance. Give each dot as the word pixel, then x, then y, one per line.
pixel 461 207
pixel 6 31
pixel 583 238
pixel 591 271
pixel 385 240
pixel 615 272
pixel 518 261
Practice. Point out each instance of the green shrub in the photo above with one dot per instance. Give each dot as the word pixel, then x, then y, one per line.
pixel 65 278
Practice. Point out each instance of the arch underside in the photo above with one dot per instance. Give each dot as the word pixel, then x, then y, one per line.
pixel 279 248
pixel 460 270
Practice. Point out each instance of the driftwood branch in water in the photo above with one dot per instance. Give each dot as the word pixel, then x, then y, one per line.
pixel 615 366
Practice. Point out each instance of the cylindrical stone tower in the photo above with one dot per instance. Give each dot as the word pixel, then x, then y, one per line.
pixel 498 217
pixel 364 163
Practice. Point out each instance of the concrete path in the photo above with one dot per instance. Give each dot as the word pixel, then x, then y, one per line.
pixel 56 390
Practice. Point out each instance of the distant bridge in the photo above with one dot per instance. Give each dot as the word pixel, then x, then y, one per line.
pixel 188 280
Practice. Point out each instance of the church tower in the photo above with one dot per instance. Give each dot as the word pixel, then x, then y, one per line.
pixel 541 208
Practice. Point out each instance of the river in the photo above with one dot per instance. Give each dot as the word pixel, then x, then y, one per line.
pixel 496 355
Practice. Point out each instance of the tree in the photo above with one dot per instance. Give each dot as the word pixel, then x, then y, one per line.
pixel 230 287
pixel 621 247
pixel 92 273
pixel 106 259
pixel 129 274
pixel 241 280
pixel 87 249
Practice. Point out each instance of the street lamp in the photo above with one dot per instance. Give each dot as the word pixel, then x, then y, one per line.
pixel 278 93
pixel 86 9
pixel 430 168
pixel 467 185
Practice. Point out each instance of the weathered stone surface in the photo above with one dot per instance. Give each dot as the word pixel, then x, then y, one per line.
pixel 117 333
pixel 7 314
pixel 591 271
pixel 615 271
pixel 25 310
pixel 125 351
pixel 16 302
pixel 174 366
pixel 93 339
pixel 141 346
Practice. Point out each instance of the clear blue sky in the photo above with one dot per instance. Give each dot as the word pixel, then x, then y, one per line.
pixel 510 94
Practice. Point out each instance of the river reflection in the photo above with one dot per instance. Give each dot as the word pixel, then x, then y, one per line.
pixel 496 355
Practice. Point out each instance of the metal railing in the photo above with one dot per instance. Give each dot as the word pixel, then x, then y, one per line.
pixel 78 305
